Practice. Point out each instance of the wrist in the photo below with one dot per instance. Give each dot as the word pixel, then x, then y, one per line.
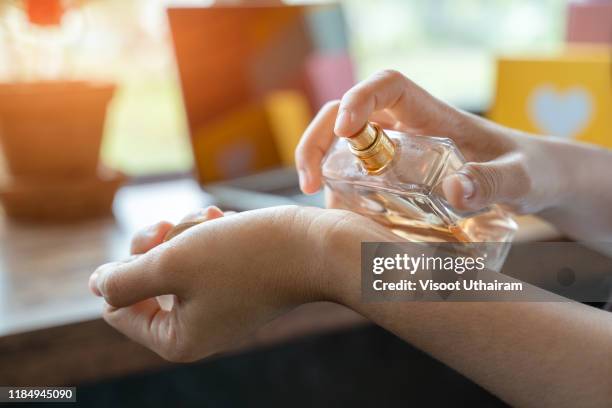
pixel 553 167
pixel 341 273
pixel 582 206
pixel 583 168
pixel 339 249
pixel 324 251
pixel 321 253
pixel 302 250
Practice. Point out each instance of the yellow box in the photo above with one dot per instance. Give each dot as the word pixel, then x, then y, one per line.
pixel 568 96
pixel 288 114
pixel 236 144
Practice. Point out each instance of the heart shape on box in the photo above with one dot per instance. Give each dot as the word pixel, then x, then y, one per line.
pixel 560 113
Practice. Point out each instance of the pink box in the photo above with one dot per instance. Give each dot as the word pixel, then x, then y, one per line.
pixel 329 76
pixel 590 21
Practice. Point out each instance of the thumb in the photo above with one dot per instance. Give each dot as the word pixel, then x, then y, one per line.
pixel 143 277
pixel 477 185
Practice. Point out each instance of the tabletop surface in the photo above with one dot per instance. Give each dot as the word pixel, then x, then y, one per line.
pixel 44 268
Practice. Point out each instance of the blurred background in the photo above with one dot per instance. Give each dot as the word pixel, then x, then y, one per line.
pixel 115 114
pixel 447 46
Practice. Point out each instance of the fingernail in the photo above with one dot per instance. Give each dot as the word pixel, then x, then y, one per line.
pixel 100 276
pixel 152 230
pixel 213 212
pixel 467 185
pixel 342 121
pixel 93 284
pixel 303 176
pixel 208 211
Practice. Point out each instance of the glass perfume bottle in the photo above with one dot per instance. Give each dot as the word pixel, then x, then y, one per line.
pixel 396 178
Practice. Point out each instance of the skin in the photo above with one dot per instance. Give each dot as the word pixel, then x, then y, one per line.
pixel 529 354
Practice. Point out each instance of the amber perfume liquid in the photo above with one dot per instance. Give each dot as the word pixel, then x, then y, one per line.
pixel 396 179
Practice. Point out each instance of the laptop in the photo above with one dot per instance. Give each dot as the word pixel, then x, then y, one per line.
pixel 251 79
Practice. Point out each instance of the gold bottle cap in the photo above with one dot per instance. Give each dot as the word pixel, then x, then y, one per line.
pixel 372 147
pixel 364 138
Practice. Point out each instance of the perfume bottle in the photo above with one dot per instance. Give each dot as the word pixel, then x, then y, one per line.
pixel 396 178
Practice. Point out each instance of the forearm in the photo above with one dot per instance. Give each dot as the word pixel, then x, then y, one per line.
pixel 529 354
pixel 544 354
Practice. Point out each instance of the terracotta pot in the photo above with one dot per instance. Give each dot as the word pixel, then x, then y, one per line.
pixel 53 129
pixel 61 200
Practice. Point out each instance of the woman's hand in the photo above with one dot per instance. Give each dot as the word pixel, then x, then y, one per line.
pixel 504 166
pixel 229 275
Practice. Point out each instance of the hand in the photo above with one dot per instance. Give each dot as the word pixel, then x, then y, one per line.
pixel 230 275
pixel 504 166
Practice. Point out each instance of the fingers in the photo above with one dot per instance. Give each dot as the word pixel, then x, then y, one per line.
pixel 118 281
pixel 193 219
pixel 125 283
pixel 203 214
pixel 315 142
pixel 477 185
pixel 145 323
pixel 389 90
pixel 144 240
pixel 388 98
pixel 150 237
pixel 386 120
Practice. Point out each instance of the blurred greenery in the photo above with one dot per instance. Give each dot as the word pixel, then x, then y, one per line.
pixel 146 130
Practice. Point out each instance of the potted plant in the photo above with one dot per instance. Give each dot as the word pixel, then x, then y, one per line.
pixel 51 125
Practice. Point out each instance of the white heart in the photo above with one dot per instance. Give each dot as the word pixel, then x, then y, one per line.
pixel 562 114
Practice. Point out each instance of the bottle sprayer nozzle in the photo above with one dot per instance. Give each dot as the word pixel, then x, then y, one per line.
pixel 372 147
pixel 364 138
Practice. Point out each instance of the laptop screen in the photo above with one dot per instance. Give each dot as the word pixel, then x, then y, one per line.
pixel 251 79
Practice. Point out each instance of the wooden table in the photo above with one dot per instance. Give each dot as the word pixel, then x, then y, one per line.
pixel 50 326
